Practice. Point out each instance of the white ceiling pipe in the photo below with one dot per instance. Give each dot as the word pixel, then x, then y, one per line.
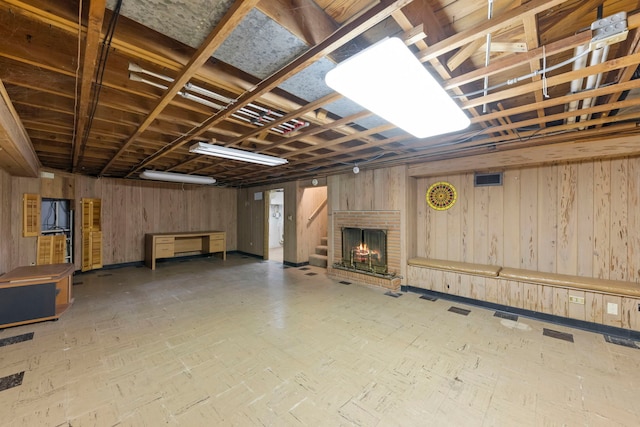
pixel 206 92
pixel 137 78
pixel 200 100
pixel 576 85
pixel 593 81
pixel 139 69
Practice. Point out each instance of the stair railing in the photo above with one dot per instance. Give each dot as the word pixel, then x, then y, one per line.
pixel 318 210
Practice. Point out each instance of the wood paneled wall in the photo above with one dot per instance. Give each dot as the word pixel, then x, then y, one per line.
pixel 130 209
pixel 300 235
pixel 251 219
pixel 310 232
pixel 5 222
pixel 578 218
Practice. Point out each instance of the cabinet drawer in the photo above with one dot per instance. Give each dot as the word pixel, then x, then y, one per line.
pixel 216 245
pixel 164 240
pixel 164 250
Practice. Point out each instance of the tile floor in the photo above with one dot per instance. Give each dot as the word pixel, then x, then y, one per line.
pixel 244 342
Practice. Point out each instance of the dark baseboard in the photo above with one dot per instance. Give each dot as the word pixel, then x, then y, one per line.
pixel 141 263
pixel 558 320
pixel 295 264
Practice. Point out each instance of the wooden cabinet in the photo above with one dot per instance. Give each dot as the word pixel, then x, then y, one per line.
pixel 91 234
pixel 30 215
pixel 169 245
pixel 35 293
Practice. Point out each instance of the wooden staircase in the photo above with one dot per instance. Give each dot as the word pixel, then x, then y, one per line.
pixel 319 259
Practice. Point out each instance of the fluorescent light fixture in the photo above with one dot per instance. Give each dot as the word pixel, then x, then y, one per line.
pixel 388 80
pixel 177 177
pixel 233 154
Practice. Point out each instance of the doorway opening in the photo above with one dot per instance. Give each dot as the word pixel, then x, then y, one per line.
pixel 275 224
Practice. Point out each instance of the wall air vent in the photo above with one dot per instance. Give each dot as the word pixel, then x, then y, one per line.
pixel 485 179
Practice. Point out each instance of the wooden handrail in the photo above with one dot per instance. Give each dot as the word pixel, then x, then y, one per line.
pixel 318 209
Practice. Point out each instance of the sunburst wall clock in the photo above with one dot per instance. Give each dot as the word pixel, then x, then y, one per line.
pixel 441 196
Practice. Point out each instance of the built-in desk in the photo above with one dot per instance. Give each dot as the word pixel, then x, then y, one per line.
pixel 35 293
pixel 169 245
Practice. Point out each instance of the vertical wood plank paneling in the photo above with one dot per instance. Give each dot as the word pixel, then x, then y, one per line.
pixel 504 291
pixel 495 226
pixel 545 293
pixel 481 226
pixel 118 220
pixel 422 230
pixel 454 222
pixel 601 218
pixel 593 307
pixel 618 236
pixel 134 247
pixel 585 219
pixel 633 212
pixel 516 290
pixel 511 219
pixel 491 289
pixel 567 262
pixel 23 250
pixel 437 281
pixel 478 288
pixel 529 219
pixel 531 297
pixel 110 232
pixel 440 230
pixel 464 285
pixel 630 313
pixel 612 310
pixel 560 302
pixel 466 199
pixel 576 310
pixel 547 218
pixel 5 222
pixel 382 180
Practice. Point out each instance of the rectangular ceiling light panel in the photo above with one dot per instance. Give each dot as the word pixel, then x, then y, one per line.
pixel 234 154
pixel 388 80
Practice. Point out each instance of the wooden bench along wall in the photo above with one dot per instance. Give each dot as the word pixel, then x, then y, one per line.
pixel 601 301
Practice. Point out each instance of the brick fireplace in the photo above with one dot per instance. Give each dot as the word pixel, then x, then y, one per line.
pixel 388 222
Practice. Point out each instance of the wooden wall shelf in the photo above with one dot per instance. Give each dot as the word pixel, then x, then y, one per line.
pixel 170 245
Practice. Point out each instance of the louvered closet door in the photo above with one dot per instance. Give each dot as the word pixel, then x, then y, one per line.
pixel 51 249
pixel 91 234
pixel 45 250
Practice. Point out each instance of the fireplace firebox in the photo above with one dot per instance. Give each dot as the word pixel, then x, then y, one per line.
pixel 364 249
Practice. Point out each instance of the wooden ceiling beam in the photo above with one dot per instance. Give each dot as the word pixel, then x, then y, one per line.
pixel 341 36
pixel 232 18
pixel 551 102
pixel 304 18
pixel 530 26
pixel 17 155
pixel 510 17
pixel 89 63
pixel 519 59
pixel 465 52
pixel 536 155
pixel 614 64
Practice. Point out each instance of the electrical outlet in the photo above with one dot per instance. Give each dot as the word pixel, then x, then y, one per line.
pixel 612 308
pixel 638 307
pixel 576 300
